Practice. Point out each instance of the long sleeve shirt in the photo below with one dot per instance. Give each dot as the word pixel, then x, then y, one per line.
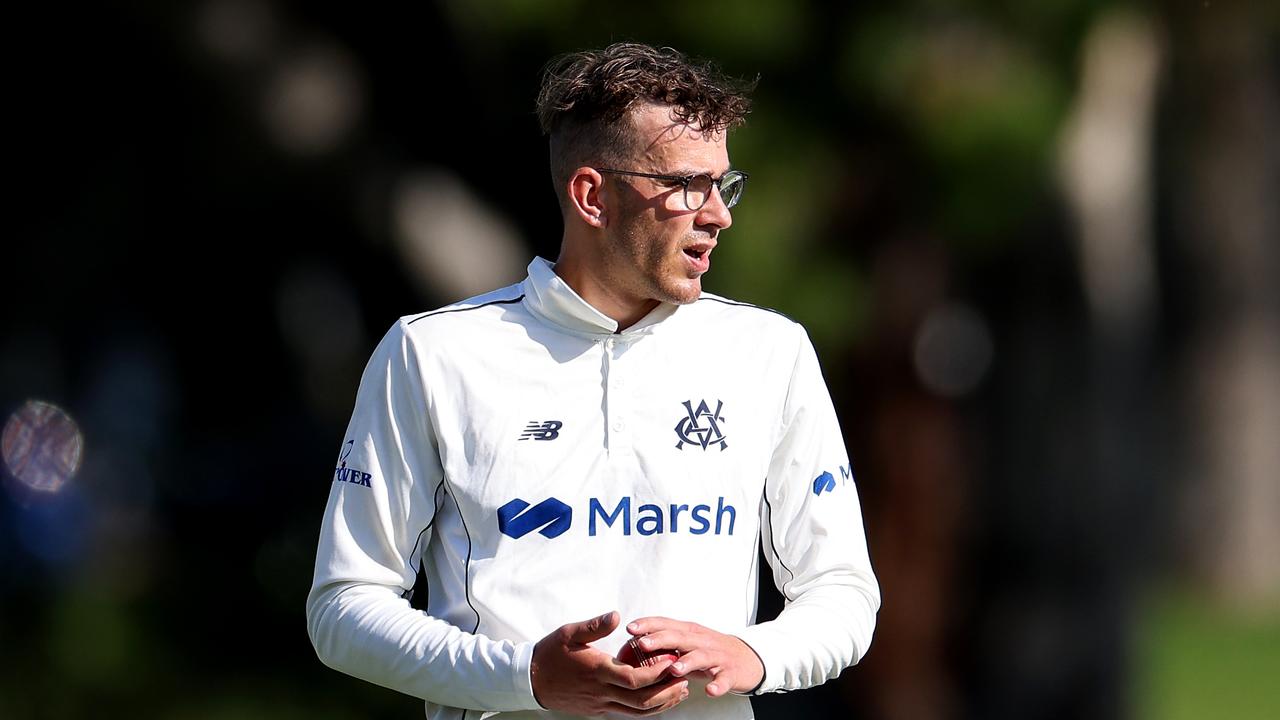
pixel 514 463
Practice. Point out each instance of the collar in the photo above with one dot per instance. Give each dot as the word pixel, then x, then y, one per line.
pixel 550 298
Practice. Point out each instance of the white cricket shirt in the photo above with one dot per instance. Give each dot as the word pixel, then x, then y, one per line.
pixel 541 468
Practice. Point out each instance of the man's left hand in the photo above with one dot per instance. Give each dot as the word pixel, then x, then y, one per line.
pixel 730 663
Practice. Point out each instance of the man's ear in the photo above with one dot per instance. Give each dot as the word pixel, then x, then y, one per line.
pixel 586 200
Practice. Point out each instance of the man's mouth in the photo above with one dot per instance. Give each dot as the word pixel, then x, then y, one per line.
pixel 699 254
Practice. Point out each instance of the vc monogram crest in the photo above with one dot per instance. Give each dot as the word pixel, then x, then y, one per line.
pixel 701 427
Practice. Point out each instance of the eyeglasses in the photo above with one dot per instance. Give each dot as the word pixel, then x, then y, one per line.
pixel 697 188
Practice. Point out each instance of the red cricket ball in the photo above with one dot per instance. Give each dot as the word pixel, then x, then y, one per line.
pixel 636 656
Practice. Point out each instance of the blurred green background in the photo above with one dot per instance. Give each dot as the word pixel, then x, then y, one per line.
pixel 1035 244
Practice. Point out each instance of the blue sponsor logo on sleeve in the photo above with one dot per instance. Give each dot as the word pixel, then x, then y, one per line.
pixel 342 473
pixel 826 482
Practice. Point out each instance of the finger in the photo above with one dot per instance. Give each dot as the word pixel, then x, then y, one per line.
pixel 593 629
pixel 618 709
pixel 694 661
pixel 719 687
pixel 665 694
pixel 623 675
pixel 646 625
pixel 721 682
pixel 669 640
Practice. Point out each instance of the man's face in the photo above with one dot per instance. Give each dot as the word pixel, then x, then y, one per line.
pixel 655 248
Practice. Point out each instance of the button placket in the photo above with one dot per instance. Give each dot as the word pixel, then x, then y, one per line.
pixel 618 404
pixel 606 375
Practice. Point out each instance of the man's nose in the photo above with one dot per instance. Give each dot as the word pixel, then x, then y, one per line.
pixel 715 212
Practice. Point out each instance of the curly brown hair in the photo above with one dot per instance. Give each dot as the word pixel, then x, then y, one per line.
pixel 585 99
pixel 602 85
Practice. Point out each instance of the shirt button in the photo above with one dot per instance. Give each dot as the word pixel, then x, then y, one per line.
pixel 619 426
pixel 609 343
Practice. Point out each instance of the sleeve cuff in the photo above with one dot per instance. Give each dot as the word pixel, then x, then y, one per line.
pixel 522 670
pixel 764 671
pixel 761 641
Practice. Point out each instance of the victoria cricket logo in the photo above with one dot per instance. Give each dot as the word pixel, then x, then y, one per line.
pixel 701 427
pixel 549 430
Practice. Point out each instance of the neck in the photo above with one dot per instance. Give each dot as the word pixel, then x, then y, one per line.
pixel 593 287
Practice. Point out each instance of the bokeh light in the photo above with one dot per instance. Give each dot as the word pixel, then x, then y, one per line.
pixel 953 350
pixel 241 32
pixel 313 101
pixel 452 240
pixel 42 446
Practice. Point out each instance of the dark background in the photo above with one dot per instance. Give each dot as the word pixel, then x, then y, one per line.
pixel 1036 247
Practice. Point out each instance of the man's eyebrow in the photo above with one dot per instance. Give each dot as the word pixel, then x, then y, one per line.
pixel 686 171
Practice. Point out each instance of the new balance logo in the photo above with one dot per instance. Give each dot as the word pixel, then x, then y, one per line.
pixel 516 519
pixel 549 430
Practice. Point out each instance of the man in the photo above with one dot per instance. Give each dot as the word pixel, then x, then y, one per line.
pixel 600 452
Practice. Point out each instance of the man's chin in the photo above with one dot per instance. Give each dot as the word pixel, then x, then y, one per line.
pixel 685 292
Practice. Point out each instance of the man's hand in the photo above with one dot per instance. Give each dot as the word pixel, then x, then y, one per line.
pixel 730 663
pixel 570 676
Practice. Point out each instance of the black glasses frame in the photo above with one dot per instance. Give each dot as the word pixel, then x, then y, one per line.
pixel 685 180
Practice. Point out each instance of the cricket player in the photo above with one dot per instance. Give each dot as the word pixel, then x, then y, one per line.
pixel 551 499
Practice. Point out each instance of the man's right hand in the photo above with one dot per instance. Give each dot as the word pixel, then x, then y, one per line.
pixel 571 676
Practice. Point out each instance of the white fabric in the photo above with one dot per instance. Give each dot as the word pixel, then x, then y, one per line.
pixel 527 393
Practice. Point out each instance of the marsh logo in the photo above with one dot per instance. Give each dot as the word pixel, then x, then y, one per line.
pixel 700 426
pixel 826 482
pixel 655 519
pixel 549 517
pixel 342 473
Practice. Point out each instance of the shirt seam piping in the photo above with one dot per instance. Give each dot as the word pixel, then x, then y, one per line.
pixel 773 547
pixel 445 311
pixel 434 512
pixel 466 573
pixel 723 301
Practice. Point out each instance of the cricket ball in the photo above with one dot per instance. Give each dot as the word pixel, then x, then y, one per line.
pixel 636 656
